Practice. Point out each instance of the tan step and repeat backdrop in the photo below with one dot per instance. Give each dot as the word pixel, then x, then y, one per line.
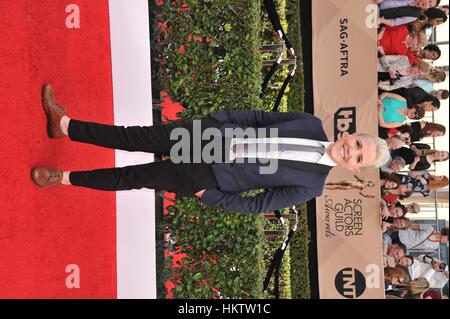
pixel 345 98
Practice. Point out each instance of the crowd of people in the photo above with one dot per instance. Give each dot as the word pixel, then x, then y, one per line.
pixel 406 78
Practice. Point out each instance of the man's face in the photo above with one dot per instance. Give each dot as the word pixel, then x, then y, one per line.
pixel 444 239
pixel 404 188
pixel 415 71
pixel 429 107
pixel 436 21
pixel 396 166
pixel 400 223
pixel 398 280
pixel 430 55
pixel 396 212
pixel 427 4
pixel 394 143
pixel 353 152
pixel 390 184
pixel 412 113
pixel 437 133
pixel 438 94
pixel 422 73
pixel 405 261
pixel 396 252
pixel 441 155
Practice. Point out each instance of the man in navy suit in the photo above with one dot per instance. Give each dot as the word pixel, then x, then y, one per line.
pixel 299 148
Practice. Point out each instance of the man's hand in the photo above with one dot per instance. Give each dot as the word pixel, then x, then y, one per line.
pixel 394 143
pixel 412 41
pixel 436 264
pixel 422 180
pixel 389 261
pixel 385 264
pixel 384 212
pixel 416 160
pixel 200 194
pixel 380 106
pixel 393 73
pixel 406 139
pixel 384 21
pixel 380 36
pixel 385 227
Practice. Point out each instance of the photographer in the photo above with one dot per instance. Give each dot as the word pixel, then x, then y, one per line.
pixel 393 165
pixel 395 254
pixel 419 237
pixel 435 271
pixel 395 71
pixel 414 289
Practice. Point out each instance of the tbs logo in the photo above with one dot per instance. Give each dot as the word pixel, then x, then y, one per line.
pixel 344 122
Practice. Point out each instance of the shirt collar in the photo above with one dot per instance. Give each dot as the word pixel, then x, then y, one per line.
pixel 326 159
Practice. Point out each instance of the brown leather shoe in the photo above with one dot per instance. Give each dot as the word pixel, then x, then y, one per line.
pixel 53 111
pixel 46 177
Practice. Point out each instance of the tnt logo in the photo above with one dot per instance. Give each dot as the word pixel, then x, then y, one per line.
pixel 350 283
pixel 344 122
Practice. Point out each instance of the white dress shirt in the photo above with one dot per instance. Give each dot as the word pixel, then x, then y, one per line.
pixel 257 149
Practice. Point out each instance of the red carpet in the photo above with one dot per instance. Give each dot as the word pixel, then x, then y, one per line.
pixel 43 231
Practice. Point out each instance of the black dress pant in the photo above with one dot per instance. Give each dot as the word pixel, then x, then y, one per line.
pixel 186 179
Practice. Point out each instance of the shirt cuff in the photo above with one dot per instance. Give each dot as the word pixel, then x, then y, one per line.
pixel 211 196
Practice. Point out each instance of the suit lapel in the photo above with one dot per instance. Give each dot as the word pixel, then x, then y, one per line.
pixel 305 166
pixel 309 135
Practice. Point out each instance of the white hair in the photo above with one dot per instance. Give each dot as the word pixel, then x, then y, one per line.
pixel 383 155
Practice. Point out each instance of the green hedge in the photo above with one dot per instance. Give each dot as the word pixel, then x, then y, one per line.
pixel 299 275
pixel 269 36
pixel 296 89
pixel 209 58
pixel 293 101
pixel 299 248
pixel 270 247
pixel 224 252
pixel 219 66
pixel 289 12
pixel 210 61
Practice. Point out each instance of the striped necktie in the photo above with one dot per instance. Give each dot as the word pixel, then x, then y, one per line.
pixel 281 147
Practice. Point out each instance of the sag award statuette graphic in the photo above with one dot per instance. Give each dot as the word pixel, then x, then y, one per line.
pixel 360 184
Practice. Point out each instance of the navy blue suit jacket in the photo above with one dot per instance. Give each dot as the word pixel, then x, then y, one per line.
pixel 287 187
